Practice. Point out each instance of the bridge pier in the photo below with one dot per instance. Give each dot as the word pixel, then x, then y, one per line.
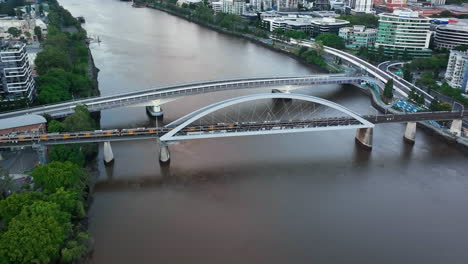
pixel 164 154
pixel 41 151
pixel 456 127
pixel 155 111
pixel 108 154
pixel 410 132
pixel 364 137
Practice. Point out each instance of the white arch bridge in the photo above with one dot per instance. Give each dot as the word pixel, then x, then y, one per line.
pixel 187 128
pixel 155 97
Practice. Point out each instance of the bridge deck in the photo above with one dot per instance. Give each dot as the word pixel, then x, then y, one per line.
pixel 220 129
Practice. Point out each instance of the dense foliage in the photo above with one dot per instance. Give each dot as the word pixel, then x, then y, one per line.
pixel 388 90
pixel 434 64
pixel 287 34
pixel 428 81
pixel 311 56
pixel 331 40
pixel 367 20
pixel 81 120
pixel 39 223
pixel 63 64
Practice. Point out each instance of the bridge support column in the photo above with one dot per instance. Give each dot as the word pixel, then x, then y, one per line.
pixel 364 137
pixel 108 154
pixel 410 132
pixel 155 111
pixel 1 156
pixel 164 154
pixel 456 127
pixel 41 151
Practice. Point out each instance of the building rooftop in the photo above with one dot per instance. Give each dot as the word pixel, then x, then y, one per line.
pixel 25 120
pixel 403 12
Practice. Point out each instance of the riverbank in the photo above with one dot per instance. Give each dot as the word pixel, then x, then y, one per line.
pixel 267 43
pixel 443 134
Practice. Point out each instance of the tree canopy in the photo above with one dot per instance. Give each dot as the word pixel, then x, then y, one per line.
pixel 367 20
pixel 331 40
pixel 35 235
pixel 52 176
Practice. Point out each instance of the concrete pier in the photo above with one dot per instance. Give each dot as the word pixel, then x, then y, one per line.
pixel 108 154
pixel 155 110
pixel 164 154
pixel 364 137
pixel 456 127
pixel 41 151
pixel 410 132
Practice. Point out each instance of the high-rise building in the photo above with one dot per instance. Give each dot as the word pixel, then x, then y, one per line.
pixel 288 5
pixel 322 4
pixel 358 36
pixel 457 70
pixel 361 6
pixel 16 81
pixel 236 7
pixel 451 35
pixel 438 2
pixel 404 33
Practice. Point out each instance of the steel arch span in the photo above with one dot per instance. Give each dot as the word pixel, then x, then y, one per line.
pixel 182 123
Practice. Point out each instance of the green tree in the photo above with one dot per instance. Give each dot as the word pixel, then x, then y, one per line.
pixel 6 182
pixel 461 48
pixel 407 75
pixel 12 206
pixel 420 99
pixel 434 106
pixel 367 20
pixel 444 106
pixel 35 235
pixel 15 32
pixel 55 126
pixel 79 121
pixel 388 90
pixel 38 32
pixel 55 175
pixel 52 93
pixel 75 249
pixel 331 40
pixel 52 58
pixel 68 201
pixel 70 153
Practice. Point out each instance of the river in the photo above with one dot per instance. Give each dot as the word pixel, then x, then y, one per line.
pixel 298 198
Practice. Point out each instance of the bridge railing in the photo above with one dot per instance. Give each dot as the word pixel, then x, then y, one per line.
pixel 182 85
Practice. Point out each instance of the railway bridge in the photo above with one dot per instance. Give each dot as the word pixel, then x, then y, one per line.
pixel 196 126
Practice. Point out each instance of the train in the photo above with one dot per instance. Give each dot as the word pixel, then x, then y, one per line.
pixel 14 138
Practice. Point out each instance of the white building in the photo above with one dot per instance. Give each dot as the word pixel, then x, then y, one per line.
pixel 16 81
pixel 261 5
pixel 361 7
pixel 313 26
pixel 217 6
pixel 235 7
pixel 404 33
pixel 457 70
pixel 437 2
pixel 451 35
pixel 288 5
pixel 358 36
pixel 181 2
